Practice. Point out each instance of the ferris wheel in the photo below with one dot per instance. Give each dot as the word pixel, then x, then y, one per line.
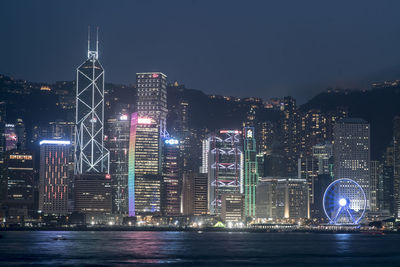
pixel 344 202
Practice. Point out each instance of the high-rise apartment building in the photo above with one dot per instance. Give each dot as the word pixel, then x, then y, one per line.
pixel 352 155
pixel 53 183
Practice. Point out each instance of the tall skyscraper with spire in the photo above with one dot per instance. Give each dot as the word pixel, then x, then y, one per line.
pixel 90 153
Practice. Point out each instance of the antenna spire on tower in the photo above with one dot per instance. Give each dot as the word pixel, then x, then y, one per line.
pixel 97 39
pixel 88 42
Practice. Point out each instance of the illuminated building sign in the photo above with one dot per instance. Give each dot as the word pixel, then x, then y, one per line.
pixel 54 142
pixel 230 132
pixel 249 133
pixel 25 157
pixel 144 120
pixel 123 117
pixel 155 75
pixel 171 142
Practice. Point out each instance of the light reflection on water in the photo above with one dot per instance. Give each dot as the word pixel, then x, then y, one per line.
pixel 192 248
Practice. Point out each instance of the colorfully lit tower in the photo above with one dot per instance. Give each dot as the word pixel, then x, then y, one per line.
pixel 250 172
pixel 144 167
pixel 352 155
pixel 90 153
pixel 53 183
pixel 225 161
pixel 148 128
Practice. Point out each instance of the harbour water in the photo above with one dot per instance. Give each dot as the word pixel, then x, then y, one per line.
pixel 198 249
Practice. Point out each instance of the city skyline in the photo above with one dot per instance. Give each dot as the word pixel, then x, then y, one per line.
pixel 242 171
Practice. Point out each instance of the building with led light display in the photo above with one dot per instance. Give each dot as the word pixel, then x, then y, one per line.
pixel 225 166
pixel 90 153
pixel 144 178
pixel 53 183
pixel 250 172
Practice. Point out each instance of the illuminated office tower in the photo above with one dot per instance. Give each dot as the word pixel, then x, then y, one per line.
pixel 194 194
pixel 152 98
pixel 376 176
pixel 232 208
pixel 53 183
pixel 17 183
pixel 290 135
pixel 171 178
pixel 292 199
pixel 10 137
pixel 90 153
pixel 144 178
pixel 225 172
pixel 93 194
pixel 250 172
pixel 117 142
pixel 352 155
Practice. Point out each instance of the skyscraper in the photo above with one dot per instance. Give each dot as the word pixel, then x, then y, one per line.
pixel 171 178
pixel 225 171
pixel 53 183
pixel 90 153
pixel 194 193
pixel 376 173
pixel 250 172
pixel 144 166
pixel 152 98
pixel 17 184
pixel 148 127
pixel 396 165
pixel 352 154
pixel 290 135
pixel 117 142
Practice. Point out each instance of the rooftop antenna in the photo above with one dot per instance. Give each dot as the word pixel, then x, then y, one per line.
pixel 93 54
pixel 97 40
pixel 88 42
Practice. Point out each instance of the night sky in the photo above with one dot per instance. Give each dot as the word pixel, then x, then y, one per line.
pixel 242 48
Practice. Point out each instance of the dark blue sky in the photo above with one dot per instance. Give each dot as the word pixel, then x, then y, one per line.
pixel 243 48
